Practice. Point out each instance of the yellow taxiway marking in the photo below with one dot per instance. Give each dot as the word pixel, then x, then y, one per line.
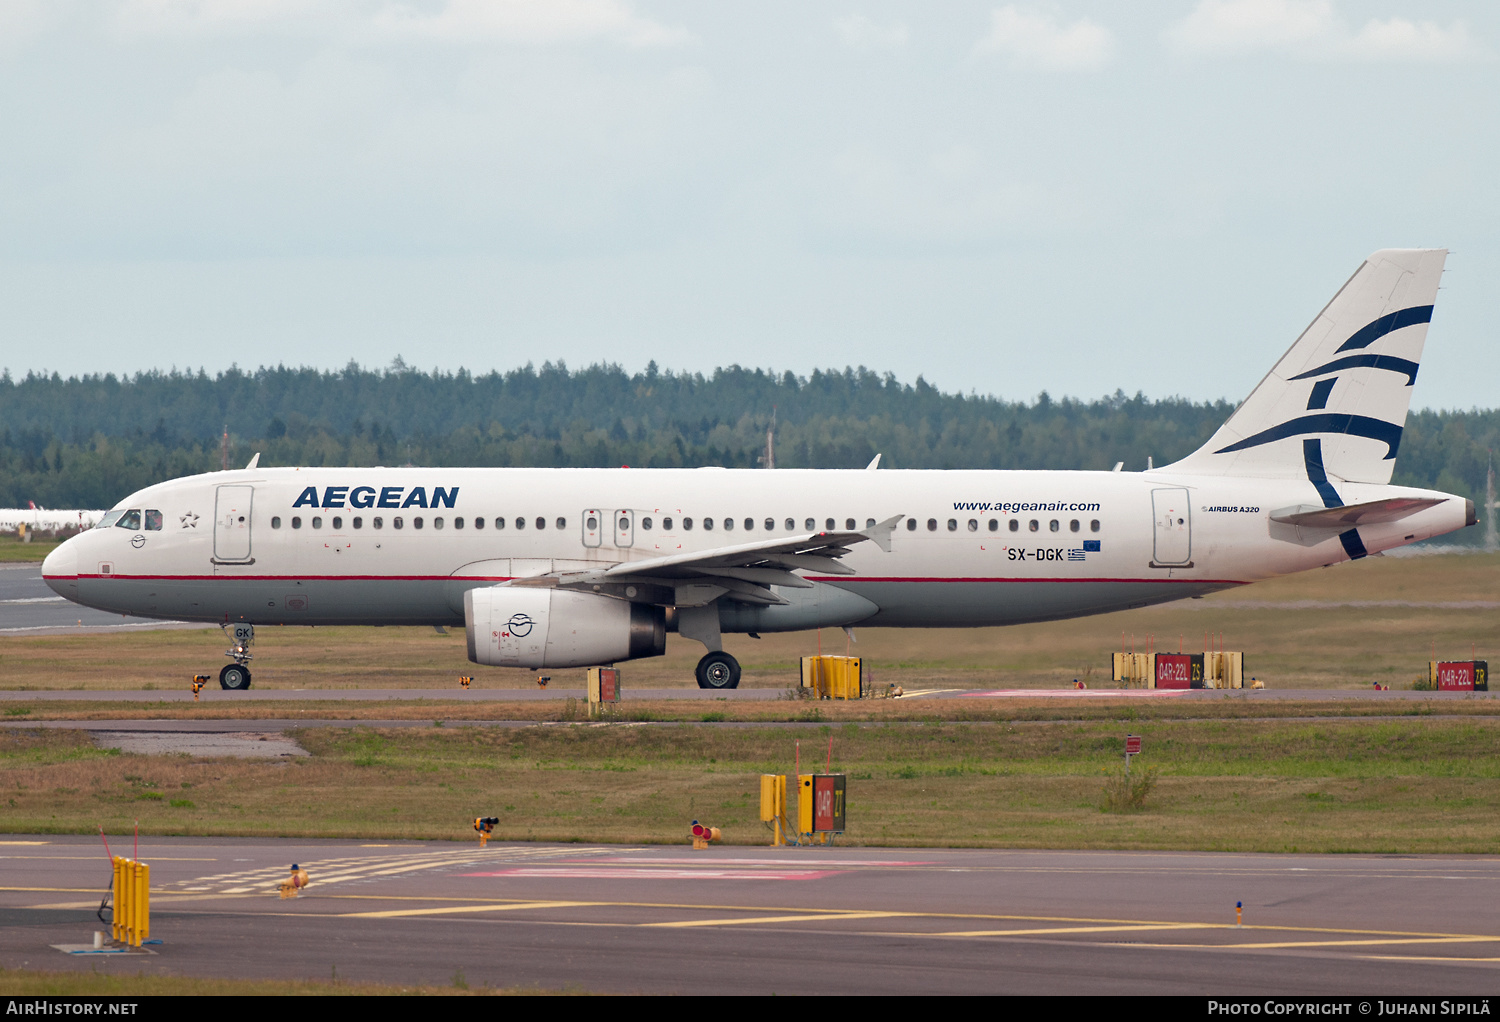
pixel 803 918
pixel 457 909
pixel 22 842
pixel 85 858
pixel 1043 930
pixel 1424 958
pixel 1467 939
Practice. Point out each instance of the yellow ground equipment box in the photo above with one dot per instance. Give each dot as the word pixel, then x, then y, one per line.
pixel 604 687
pixel 820 806
pixel 1224 670
pixel 1459 675
pixel 132 901
pixel 833 677
pixel 773 806
pixel 1136 670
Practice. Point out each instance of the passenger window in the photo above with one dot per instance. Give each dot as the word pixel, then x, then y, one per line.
pixel 687 525
pixel 592 523
pixel 791 525
pixel 541 523
pixel 828 524
pixel 437 523
pixel 1034 525
pixel 848 524
pixel 810 524
pixel 1053 525
pixel 130 520
pixel 1094 525
pixel 520 523
pixel 911 525
pixel 666 524
pixel 153 520
pixel 397 522
pixel 378 523
pixel 416 523
pixel 562 523
pixel 729 525
pixel 338 523
pixel 458 523
pixel 317 522
pixel 708 523
pixel 499 523
pixel 973 525
pixel 932 525
pixel 869 523
pixel 1015 526
pixel 276 522
pixel 359 523
pixel 953 525
pixel 770 525
pixel 1073 525
pixel 478 523
pixel 297 522
pixel 750 524
pixel 994 525
pixel 646 524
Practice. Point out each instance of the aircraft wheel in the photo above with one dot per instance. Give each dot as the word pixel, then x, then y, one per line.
pixel 718 670
pixel 234 677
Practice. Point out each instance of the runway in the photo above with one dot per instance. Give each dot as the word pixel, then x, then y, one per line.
pixel 214 695
pixel 28 607
pixel 759 920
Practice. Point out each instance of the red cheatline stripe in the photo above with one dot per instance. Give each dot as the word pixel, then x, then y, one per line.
pixel 839 579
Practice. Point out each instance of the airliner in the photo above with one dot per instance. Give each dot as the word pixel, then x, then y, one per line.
pixel 558 568
pixel 41 519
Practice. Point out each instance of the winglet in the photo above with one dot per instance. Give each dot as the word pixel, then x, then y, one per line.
pixel 253 461
pixel 874 464
pixel 880 532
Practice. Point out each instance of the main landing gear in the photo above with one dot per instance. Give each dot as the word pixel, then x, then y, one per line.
pixel 235 677
pixel 716 670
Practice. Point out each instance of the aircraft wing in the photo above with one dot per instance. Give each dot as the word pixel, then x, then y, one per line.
pixel 747 571
pixel 1390 510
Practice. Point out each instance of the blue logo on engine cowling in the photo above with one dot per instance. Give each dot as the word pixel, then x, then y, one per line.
pixel 520 625
pixel 393 497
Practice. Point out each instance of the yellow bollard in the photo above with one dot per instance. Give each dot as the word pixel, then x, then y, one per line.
pixel 132 897
pixel 293 885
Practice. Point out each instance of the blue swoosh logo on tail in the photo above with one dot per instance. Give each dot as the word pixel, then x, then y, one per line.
pixel 1326 422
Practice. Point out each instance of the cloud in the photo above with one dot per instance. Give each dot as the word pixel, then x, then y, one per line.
pixel 1312 30
pixel 1037 40
pixel 860 33
pixel 530 21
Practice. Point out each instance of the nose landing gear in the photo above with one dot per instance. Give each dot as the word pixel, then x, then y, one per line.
pixel 235 677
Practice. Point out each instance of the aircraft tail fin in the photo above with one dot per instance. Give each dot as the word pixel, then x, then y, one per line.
pixel 1335 404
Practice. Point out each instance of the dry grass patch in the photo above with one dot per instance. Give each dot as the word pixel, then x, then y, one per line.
pixel 1404 786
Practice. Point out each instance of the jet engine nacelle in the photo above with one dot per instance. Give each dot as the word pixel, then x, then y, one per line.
pixel 525 627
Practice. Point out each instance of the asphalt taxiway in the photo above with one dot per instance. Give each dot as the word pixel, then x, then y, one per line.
pixel 760 920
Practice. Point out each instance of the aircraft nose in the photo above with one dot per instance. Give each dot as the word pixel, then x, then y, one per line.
pixel 60 570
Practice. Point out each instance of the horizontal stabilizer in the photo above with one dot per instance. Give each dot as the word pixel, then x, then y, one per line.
pixel 1394 509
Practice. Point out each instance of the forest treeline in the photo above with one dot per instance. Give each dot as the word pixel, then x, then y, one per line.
pixel 87 441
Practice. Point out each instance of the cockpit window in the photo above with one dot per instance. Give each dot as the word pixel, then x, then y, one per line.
pixel 110 518
pixel 153 520
pixel 130 519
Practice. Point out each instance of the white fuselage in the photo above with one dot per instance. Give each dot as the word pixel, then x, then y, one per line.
pixel 382 546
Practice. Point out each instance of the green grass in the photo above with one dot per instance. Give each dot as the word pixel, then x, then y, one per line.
pixel 1421 785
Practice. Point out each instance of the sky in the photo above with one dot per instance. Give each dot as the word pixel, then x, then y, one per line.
pixel 1073 197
